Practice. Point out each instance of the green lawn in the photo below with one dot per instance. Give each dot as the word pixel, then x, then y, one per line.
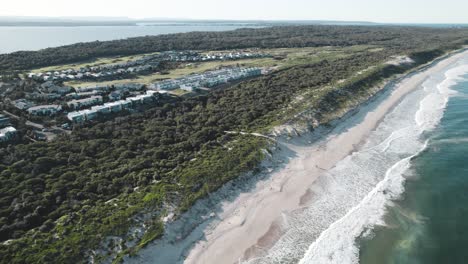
pixel 95 62
pixel 291 57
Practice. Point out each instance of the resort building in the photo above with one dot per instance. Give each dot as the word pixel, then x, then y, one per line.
pixel 7 133
pixel 102 109
pixel 50 87
pixel 44 110
pixel 207 79
pixel 82 95
pixel 22 104
pixel 42 96
pixel 93 100
pixel 77 117
pixel 115 95
pixel 112 107
pixel 93 88
pixel 187 88
pixel 166 85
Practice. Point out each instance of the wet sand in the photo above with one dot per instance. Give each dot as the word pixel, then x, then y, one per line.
pixel 252 223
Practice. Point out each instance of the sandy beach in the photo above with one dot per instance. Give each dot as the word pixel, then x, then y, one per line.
pixel 252 223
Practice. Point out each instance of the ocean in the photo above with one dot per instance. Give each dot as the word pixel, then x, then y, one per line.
pixel 405 191
pixel 429 222
pixel 399 198
pixel 34 38
pixel 402 198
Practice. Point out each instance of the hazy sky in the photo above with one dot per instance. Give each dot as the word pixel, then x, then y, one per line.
pixel 409 11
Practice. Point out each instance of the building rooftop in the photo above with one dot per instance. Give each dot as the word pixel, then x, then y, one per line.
pixel 92 98
pixel 112 104
pixel 43 107
pixel 7 130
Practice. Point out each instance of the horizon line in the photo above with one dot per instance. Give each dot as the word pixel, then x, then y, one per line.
pixel 129 19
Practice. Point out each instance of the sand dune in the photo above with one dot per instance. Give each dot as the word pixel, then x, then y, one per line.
pixel 253 222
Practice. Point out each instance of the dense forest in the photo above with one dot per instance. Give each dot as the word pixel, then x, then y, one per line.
pixel 400 38
pixel 54 203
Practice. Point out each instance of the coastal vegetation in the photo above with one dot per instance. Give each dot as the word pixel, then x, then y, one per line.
pixel 397 38
pixel 61 200
pixel 280 58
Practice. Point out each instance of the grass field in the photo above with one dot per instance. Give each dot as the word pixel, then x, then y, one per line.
pixel 281 58
pixel 187 69
pixel 91 63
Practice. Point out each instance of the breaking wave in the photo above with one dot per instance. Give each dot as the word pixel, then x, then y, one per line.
pixel 350 199
pixel 372 178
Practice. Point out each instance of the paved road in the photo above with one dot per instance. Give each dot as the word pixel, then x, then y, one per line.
pixel 28 123
pixel 10 114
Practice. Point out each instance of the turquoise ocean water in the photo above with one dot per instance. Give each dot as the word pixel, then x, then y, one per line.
pixel 428 223
pixel 402 198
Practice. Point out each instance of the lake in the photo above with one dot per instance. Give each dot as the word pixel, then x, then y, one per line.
pixel 35 38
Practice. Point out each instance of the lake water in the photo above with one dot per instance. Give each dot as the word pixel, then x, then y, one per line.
pixel 35 38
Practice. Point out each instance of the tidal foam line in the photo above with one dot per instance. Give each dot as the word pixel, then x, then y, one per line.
pixel 337 244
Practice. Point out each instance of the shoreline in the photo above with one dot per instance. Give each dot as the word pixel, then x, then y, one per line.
pixel 243 235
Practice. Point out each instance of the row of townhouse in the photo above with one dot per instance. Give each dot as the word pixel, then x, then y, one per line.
pixel 207 79
pixel 90 73
pixel 45 110
pixel 51 87
pixel 145 63
pixel 233 55
pixel 128 87
pixel 42 96
pixel 79 103
pixel 192 56
pixel 112 107
pixel 22 104
pixel 93 88
pixel 39 110
pixel 81 95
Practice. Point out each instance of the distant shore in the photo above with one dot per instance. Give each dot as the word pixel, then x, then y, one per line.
pixel 33 36
pixel 251 224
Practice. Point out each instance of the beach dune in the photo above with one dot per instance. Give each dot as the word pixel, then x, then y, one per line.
pixel 254 221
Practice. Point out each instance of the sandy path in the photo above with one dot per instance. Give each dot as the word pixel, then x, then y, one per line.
pixel 249 222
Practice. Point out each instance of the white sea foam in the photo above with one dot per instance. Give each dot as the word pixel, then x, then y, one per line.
pixel 431 107
pixel 348 201
pixel 347 187
pixel 400 140
pixel 351 199
pixel 340 245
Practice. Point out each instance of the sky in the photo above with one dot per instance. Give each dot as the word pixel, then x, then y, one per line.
pixel 388 11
